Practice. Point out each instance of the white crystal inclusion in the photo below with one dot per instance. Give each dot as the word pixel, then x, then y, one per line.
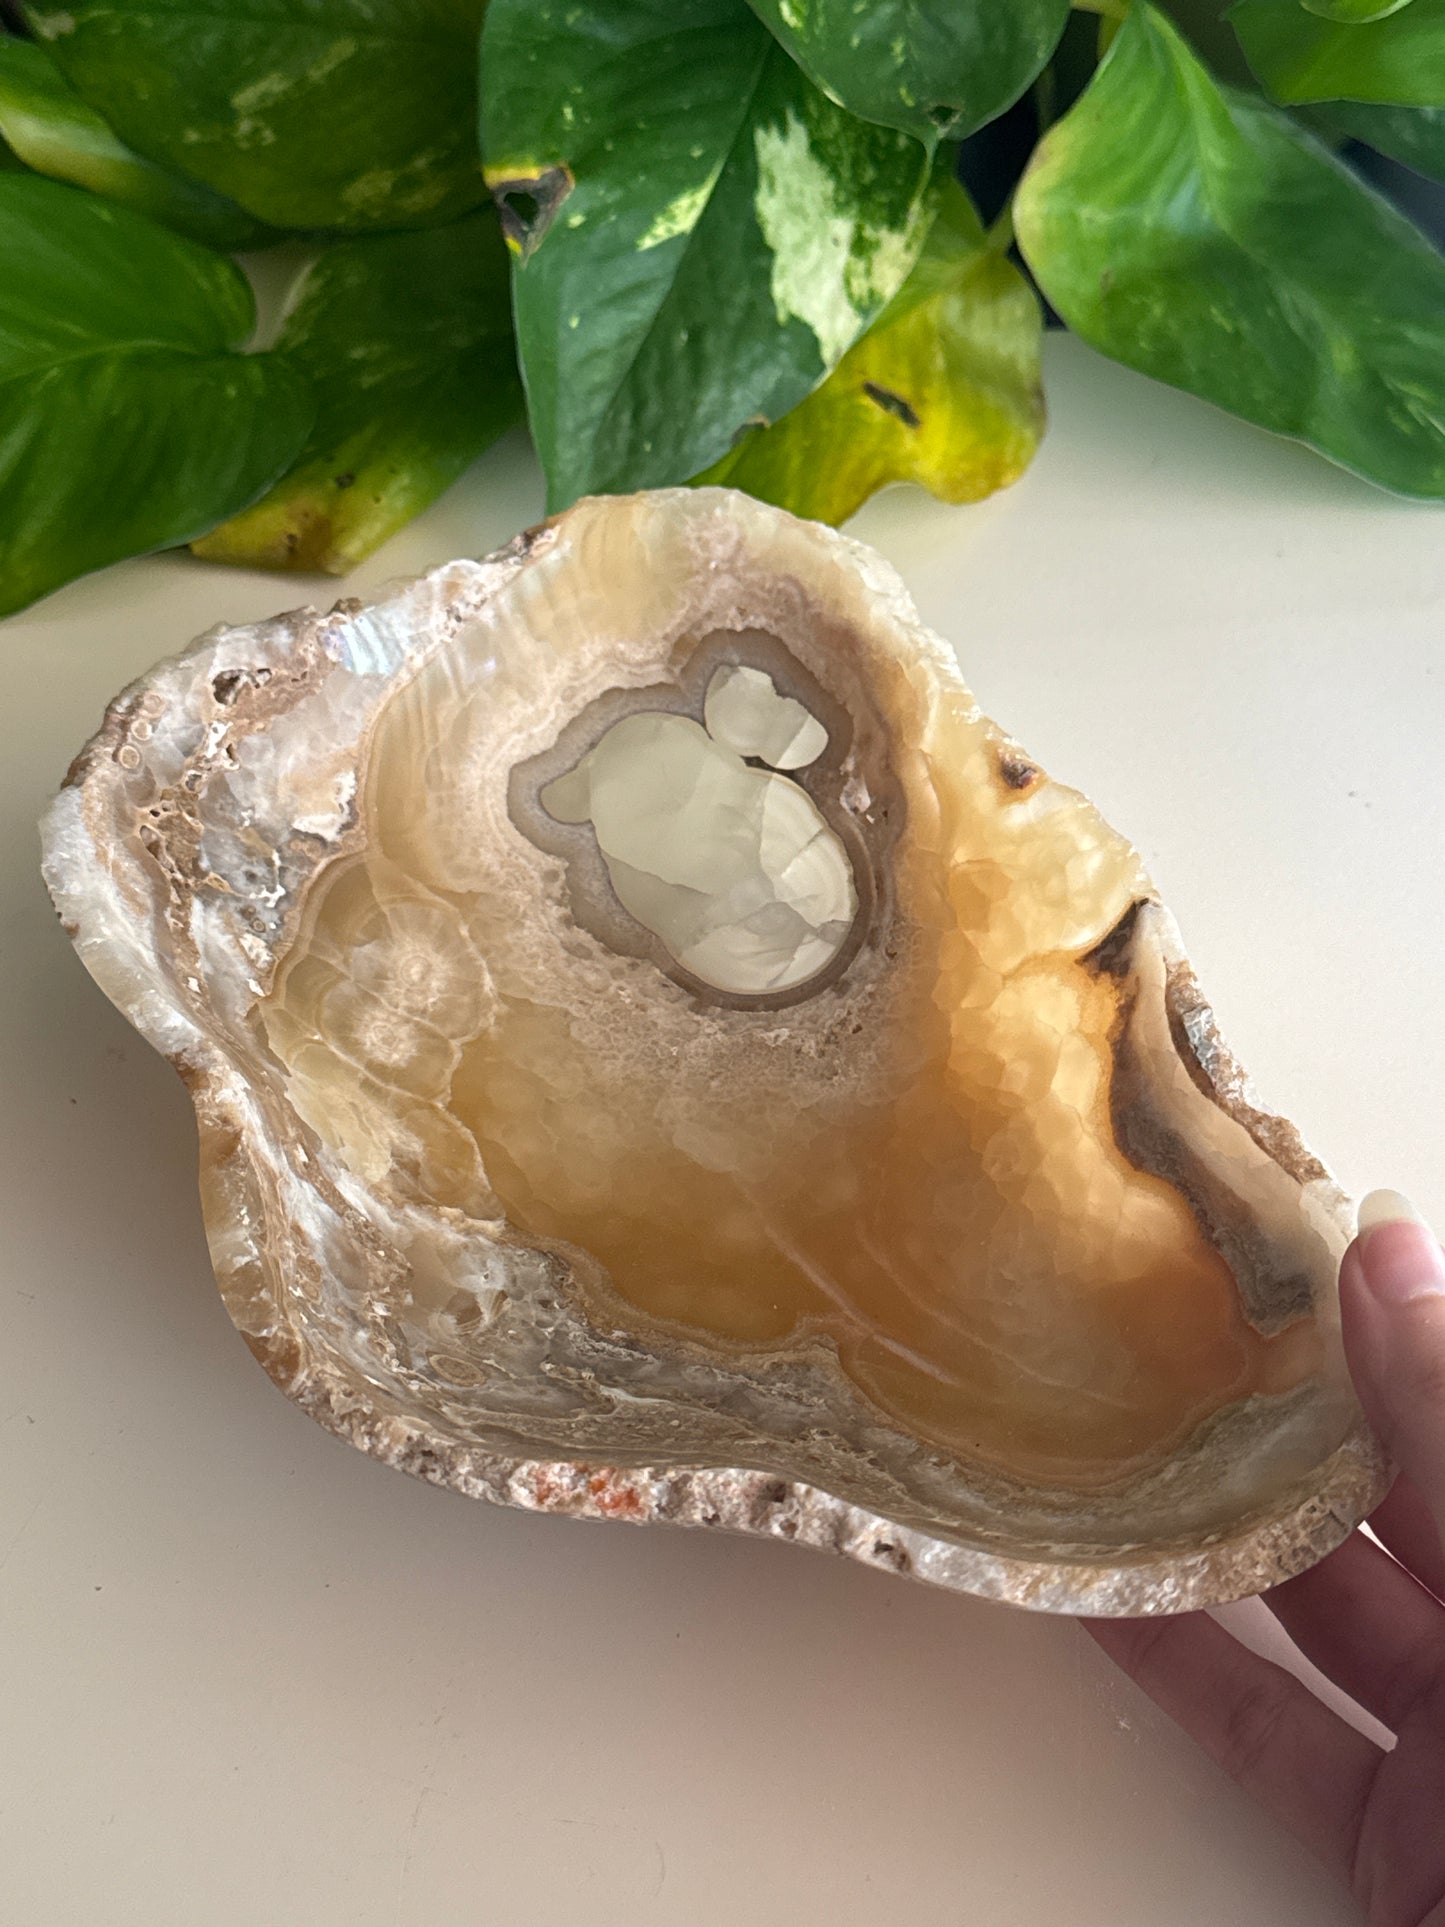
pixel 732 867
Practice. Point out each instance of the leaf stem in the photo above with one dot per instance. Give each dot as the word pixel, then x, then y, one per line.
pixel 1046 99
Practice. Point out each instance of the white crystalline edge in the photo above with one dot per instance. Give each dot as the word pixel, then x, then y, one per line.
pixel 90 903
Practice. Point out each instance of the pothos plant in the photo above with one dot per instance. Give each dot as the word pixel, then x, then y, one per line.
pixel 717 240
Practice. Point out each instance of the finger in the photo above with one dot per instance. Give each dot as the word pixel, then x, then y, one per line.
pixel 1300 1761
pixel 1392 1300
pixel 1402 1523
pixel 1400 1858
pixel 1365 1623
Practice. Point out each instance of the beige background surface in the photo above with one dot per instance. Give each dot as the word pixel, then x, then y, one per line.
pixel 250 1679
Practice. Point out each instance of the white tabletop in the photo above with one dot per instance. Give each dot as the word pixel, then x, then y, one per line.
pixel 250 1679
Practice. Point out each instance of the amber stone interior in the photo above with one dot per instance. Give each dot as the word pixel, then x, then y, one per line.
pixel 928 1178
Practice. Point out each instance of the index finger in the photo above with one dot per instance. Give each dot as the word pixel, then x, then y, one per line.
pixel 1300 1761
pixel 1403 1524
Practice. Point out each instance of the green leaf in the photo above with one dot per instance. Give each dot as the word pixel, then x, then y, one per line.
pixel 127 422
pixel 1414 135
pixel 51 129
pixel 1204 26
pixel 1355 13
pixel 344 114
pixel 702 233
pixel 1398 60
pixel 942 390
pixel 926 67
pixel 408 342
pixel 1199 235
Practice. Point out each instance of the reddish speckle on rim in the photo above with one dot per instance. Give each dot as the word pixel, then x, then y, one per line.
pixel 545 1489
pixel 615 1496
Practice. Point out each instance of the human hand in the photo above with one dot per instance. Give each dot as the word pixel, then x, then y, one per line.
pixel 1372 1623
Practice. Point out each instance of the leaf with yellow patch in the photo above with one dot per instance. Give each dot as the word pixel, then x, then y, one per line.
pixel 407 340
pixel 701 232
pixel 1201 236
pixel 52 130
pixel 942 390
pixel 351 114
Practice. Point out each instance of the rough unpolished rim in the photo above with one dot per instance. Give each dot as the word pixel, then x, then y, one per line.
pixel 768 1507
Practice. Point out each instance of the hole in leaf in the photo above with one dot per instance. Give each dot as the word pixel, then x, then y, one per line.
pixel 527 205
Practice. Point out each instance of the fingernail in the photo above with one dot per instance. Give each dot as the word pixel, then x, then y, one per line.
pixel 1399 1254
pixel 1386 1207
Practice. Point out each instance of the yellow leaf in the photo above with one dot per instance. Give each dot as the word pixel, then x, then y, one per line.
pixel 943 390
